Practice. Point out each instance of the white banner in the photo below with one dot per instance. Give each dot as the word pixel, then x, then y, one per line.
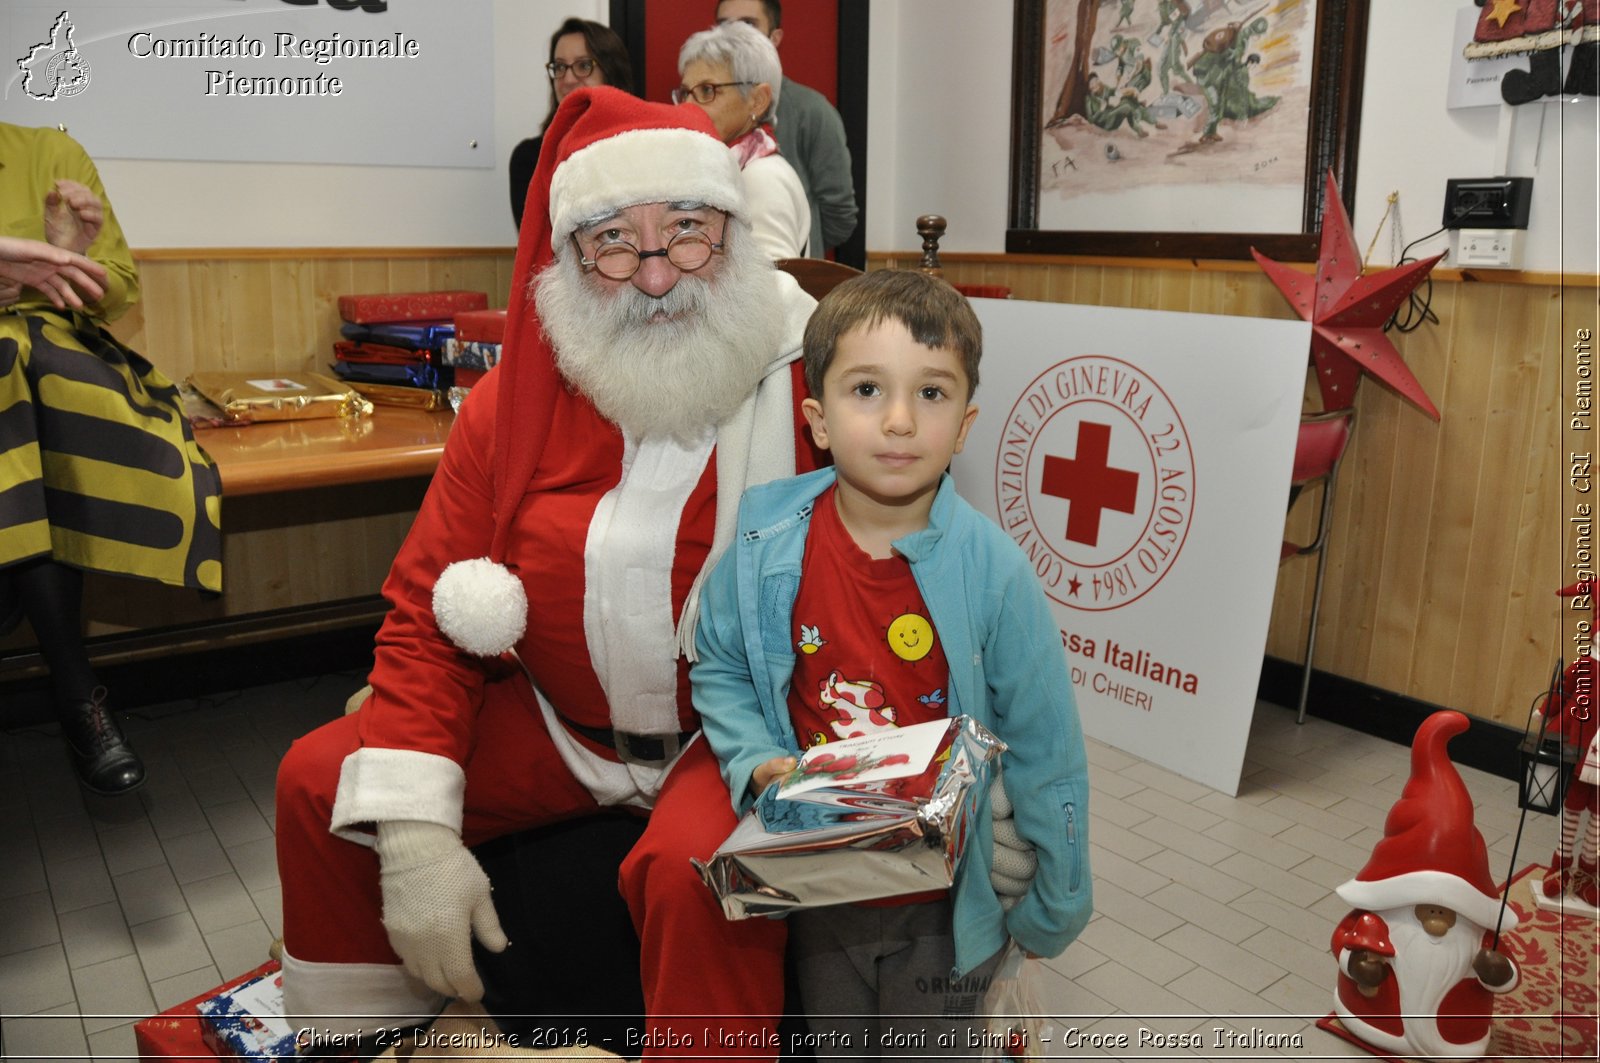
pixel 1141 459
pixel 334 81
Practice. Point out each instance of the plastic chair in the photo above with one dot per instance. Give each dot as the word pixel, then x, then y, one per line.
pixel 817 276
pixel 1318 450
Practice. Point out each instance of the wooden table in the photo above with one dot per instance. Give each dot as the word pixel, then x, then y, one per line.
pixel 268 457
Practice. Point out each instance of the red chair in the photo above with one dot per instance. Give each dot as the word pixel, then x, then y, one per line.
pixel 983 291
pixel 1317 453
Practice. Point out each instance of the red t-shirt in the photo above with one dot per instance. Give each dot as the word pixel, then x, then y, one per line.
pixel 867 657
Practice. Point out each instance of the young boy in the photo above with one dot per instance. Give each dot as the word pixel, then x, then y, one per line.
pixel 871 595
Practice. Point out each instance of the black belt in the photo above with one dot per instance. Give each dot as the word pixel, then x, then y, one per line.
pixel 646 749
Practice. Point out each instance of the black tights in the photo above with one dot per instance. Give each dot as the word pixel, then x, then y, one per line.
pixel 52 600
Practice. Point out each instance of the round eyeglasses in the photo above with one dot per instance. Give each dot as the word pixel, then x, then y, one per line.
pixel 704 92
pixel 582 68
pixel 619 260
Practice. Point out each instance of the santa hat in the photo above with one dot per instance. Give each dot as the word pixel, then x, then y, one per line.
pixel 1431 853
pixel 603 152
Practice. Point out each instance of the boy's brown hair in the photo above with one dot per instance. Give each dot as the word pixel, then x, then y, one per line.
pixel 934 313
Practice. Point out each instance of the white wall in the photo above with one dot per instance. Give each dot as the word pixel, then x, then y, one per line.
pixel 196 204
pixel 939 142
pixel 941 78
pixel 939 129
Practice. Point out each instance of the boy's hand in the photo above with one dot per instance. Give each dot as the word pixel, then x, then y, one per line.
pixel 775 768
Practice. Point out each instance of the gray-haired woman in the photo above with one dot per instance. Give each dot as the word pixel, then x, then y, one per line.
pixel 732 72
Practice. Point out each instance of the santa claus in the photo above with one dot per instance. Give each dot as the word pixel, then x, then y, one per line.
pixel 1540 29
pixel 530 670
pixel 1573 717
pixel 1416 966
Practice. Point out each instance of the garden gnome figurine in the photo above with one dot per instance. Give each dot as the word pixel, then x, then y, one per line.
pixel 1416 970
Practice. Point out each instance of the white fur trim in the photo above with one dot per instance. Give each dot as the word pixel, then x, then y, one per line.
pixel 642 166
pixel 754 445
pixel 627 564
pixel 1428 887
pixel 343 998
pixel 481 606
pixel 1531 42
pixel 387 784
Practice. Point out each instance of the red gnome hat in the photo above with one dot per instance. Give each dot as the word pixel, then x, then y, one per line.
pixel 1431 853
pixel 604 151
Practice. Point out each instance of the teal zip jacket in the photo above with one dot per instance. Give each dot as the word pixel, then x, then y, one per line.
pixel 1007 671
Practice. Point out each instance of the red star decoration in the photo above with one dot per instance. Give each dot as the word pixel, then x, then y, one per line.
pixel 1347 312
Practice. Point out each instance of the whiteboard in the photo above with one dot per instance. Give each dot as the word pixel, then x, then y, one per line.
pixel 376 82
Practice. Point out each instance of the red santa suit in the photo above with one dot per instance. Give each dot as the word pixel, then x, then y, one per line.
pixel 606 537
pixel 1431 854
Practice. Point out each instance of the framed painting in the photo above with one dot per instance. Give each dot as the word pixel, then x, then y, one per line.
pixel 1181 128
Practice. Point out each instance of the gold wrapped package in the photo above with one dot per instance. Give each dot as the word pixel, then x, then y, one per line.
pixel 244 397
pixel 401 395
pixel 879 816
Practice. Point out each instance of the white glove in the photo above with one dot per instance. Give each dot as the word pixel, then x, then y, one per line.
pixel 1015 861
pixel 435 898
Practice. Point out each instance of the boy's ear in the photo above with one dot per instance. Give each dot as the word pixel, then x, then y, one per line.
pixel 966 426
pixel 818 422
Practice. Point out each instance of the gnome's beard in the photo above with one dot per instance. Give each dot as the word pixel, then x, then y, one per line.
pixel 1427 968
pixel 673 366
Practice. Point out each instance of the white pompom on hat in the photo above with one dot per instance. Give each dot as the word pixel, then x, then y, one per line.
pixel 604 151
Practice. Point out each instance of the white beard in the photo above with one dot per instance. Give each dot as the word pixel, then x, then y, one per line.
pixel 671 367
pixel 1427 968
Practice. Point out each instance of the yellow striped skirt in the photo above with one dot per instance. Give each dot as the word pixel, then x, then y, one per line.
pixel 98 465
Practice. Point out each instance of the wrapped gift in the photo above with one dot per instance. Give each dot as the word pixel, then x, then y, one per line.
pixel 879 816
pixel 471 354
pixel 402 395
pixel 481 326
pixel 413 335
pixel 177 1034
pixel 247 1021
pixel 408 306
pixel 244 397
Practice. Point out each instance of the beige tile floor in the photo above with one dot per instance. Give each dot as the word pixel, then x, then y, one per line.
pixel 1206 905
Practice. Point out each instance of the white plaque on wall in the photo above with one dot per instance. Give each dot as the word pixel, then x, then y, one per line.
pixel 1141 460
pixel 384 82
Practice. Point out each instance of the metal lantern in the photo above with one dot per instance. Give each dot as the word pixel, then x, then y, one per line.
pixel 1546 766
pixel 1545 761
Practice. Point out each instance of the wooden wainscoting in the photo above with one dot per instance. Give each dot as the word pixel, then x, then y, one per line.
pixel 1449 539
pixel 277 311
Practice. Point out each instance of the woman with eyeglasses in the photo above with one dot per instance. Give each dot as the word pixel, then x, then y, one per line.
pixel 732 72
pixel 582 53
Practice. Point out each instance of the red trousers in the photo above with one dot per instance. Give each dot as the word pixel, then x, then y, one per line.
pixel 709 984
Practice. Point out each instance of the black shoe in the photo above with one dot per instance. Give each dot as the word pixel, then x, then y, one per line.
pixel 10 606
pixel 105 762
pixel 1541 79
pixel 1583 76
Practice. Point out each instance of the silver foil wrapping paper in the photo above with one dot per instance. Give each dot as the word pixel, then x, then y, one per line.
pixel 856 841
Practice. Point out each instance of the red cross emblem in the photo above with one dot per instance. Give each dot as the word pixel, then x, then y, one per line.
pixel 1089 483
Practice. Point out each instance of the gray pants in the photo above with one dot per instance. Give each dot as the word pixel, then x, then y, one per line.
pixel 876 982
